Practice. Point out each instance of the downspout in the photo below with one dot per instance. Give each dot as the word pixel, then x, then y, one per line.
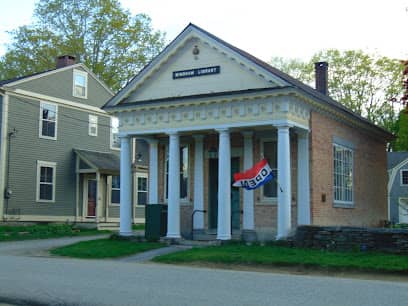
pixel 3 148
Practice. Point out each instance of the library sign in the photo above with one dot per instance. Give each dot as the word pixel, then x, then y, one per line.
pixel 181 74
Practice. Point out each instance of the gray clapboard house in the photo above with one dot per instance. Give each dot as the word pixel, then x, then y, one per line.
pixel 397 165
pixel 59 155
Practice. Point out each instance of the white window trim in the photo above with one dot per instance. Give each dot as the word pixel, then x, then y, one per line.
pixel 92 122
pixel 401 181
pixel 136 190
pixel 340 203
pixel 263 199
pixel 111 135
pixel 53 165
pixel 84 74
pixel 166 152
pixel 41 121
pixel 111 189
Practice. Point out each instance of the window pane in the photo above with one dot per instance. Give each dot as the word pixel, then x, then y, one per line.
pixel 115 196
pixel 270 153
pixel 342 173
pixel 48 128
pixel 45 192
pixel 141 198
pixel 46 174
pixel 115 181
pixel 404 174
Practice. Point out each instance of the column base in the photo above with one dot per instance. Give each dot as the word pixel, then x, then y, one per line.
pixel 173 236
pixel 249 235
pixel 126 234
pixel 223 237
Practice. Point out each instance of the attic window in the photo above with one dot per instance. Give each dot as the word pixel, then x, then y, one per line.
pixel 404 177
pixel 80 84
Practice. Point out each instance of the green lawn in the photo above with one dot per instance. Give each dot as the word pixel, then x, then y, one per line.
pixel 270 255
pixel 43 231
pixel 138 226
pixel 105 248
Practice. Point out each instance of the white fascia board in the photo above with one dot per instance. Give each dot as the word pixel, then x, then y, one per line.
pixel 190 32
pixel 47 73
pixel 67 103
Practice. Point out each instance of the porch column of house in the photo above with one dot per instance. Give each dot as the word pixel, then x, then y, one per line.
pixel 284 182
pixel 153 171
pixel 248 232
pixel 125 228
pixel 224 186
pixel 198 219
pixel 173 217
pixel 303 182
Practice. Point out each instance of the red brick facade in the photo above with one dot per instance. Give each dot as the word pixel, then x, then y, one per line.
pixel 370 175
pixel 369 170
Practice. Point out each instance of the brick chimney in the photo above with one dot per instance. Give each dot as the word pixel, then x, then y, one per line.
pixel 65 60
pixel 321 76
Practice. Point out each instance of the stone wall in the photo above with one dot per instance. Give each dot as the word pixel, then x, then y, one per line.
pixel 352 238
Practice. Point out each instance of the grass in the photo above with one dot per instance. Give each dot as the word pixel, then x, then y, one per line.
pixel 43 231
pixel 105 248
pixel 272 255
pixel 139 226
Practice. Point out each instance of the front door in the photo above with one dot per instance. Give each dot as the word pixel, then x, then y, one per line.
pixel 91 198
pixel 213 195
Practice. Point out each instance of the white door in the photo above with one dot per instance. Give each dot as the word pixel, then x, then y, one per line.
pixel 403 210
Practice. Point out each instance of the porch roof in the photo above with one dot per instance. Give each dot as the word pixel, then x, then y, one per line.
pixel 104 162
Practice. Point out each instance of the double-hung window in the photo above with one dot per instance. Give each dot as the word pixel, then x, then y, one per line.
pixel 114 134
pixel 184 169
pixel 404 177
pixel 343 174
pixel 48 120
pixel 270 152
pixel 115 190
pixel 80 84
pixel 46 181
pixel 93 125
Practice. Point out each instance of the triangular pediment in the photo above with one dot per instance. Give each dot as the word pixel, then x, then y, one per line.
pixel 196 63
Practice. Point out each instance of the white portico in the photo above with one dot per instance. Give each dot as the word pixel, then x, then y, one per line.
pixel 221 102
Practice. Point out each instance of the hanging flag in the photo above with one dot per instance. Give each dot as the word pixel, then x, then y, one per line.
pixel 254 177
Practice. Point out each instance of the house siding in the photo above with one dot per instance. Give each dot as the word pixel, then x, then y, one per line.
pixel 397 191
pixel 60 84
pixel 27 147
pixel 369 175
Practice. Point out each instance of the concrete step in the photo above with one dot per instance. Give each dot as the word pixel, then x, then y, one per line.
pixel 108 226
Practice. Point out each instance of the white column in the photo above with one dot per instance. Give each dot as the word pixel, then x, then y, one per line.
pixel 248 194
pixel 198 222
pixel 224 186
pixel 173 217
pixel 284 191
pixel 125 187
pixel 303 192
pixel 153 172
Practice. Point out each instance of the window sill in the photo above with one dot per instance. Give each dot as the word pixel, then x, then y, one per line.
pixel 45 201
pixel 47 137
pixel 343 205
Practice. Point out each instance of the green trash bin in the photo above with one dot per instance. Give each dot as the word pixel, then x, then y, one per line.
pixel 156 221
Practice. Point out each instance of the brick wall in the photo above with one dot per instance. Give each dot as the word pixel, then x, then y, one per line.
pixel 370 176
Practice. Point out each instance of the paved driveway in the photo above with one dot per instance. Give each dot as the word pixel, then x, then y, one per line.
pixel 60 281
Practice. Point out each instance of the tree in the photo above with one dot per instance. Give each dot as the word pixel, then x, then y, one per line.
pixel 101 34
pixel 369 85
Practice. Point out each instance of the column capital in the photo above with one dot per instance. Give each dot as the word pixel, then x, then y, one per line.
pixel 222 130
pixel 124 136
pixel 247 134
pixel 172 133
pixel 302 133
pixel 198 137
pixel 152 141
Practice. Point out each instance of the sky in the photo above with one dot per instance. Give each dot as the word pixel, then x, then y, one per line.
pixel 266 28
